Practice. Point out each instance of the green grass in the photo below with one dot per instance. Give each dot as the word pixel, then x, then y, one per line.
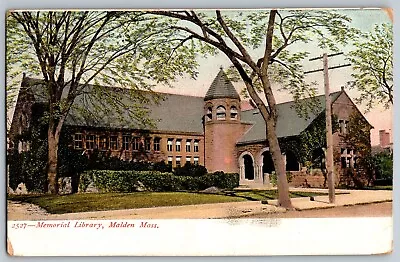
pixel 380 188
pixel 114 201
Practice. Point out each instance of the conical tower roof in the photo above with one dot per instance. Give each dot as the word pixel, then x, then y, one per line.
pixel 221 87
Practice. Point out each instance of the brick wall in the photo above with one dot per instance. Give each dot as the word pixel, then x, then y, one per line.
pixel 148 155
pixel 221 136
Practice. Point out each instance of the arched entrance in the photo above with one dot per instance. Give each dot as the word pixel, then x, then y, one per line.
pixel 268 164
pixel 246 163
pixel 248 167
pixel 291 162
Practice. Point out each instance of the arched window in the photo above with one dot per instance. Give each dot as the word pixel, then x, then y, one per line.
pixel 234 112
pixel 221 114
pixel 209 113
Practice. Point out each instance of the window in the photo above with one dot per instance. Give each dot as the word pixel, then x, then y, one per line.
pixel 196 160
pixel 78 144
pixel 221 114
pixel 136 143
pixel 90 141
pixel 196 146
pixel 347 158
pixel 178 145
pixel 343 126
pixel 169 144
pixel 126 140
pixel 156 144
pixel 234 112
pixel 209 113
pixel 170 160
pixel 103 143
pixel 188 159
pixel 147 144
pixel 114 142
pixel 178 161
pixel 188 145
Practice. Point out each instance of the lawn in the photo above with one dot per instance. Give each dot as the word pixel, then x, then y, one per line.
pixel 114 201
pixel 379 188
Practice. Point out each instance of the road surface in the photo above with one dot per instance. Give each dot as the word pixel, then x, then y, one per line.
pixel 367 210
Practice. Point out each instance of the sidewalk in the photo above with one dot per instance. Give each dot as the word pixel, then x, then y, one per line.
pixel 220 210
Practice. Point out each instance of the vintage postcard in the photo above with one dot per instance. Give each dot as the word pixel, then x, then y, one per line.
pixel 199 132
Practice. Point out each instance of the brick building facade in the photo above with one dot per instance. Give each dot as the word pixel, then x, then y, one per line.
pixel 212 131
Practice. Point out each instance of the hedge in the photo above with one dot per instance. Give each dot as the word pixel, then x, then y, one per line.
pixel 130 181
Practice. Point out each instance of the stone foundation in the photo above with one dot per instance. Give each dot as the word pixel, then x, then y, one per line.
pixel 302 179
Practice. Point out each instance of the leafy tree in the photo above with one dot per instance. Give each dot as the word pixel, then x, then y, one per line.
pixel 357 138
pixel 383 163
pixel 261 47
pixel 73 49
pixel 372 62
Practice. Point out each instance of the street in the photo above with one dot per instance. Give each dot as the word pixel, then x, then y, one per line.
pixel 367 210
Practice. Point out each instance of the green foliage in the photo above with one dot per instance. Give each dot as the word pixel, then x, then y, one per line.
pixel 372 62
pixel 308 146
pixel 76 53
pixel 29 167
pixel 357 138
pixel 26 168
pixel 128 181
pixel 190 169
pixel 383 162
pixel 116 201
pixel 274 178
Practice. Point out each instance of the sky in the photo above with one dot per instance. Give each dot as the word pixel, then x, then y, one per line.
pixel 365 19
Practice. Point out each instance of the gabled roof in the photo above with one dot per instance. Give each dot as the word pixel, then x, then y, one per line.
pixel 221 87
pixel 173 113
pixel 289 122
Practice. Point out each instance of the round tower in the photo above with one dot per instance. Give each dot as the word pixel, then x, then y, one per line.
pixel 222 126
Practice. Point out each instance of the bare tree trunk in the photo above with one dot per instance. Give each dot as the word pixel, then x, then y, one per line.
pixel 279 164
pixel 53 138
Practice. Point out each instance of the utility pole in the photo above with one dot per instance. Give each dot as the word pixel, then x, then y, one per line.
pixel 328 114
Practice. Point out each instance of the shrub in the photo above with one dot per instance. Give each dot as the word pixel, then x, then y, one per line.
pixel 162 167
pixel 128 181
pixel 190 169
pixel 28 168
pixel 274 178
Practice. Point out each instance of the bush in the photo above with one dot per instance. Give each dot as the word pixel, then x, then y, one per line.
pixel 162 167
pixel 383 163
pixel 28 168
pixel 274 178
pixel 190 169
pixel 128 181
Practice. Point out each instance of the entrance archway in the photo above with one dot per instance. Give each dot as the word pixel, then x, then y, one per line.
pixel 248 167
pixel 291 162
pixel 268 164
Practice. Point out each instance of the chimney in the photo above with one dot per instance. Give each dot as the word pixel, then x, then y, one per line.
pixel 384 138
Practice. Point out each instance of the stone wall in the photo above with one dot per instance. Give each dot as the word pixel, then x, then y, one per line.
pixel 315 179
pixel 302 179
